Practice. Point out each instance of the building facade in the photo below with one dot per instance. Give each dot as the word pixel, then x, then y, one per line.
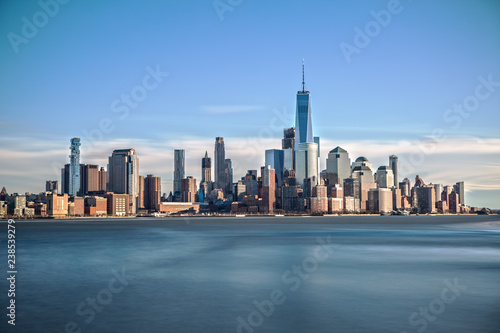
pixel 303 116
pixel 206 168
pixel 219 163
pixel 306 163
pixel 394 165
pixel 338 166
pixel 152 193
pixel 123 169
pixel 385 177
pixel 179 170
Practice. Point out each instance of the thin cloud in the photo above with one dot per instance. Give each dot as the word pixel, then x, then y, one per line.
pixel 475 161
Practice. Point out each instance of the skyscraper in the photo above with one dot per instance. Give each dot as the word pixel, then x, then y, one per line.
pixel 219 163
pixel 206 169
pixel 123 172
pixel 228 171
pixel 303 117
pixel 306 149
pixel 306 162
pixel 89 176
pixel 338 166
pixel 152 193
pixel 394 165
pixel 275 159
pixel 385 177
pixel 460 190
pixel 405 187
pixel 103 179
pixel 74 167
pixel 361 161
pixel 179 170
pixel 288 146
pixel 188 189
pixel 65 179
pixel 288 140
pixel 268 189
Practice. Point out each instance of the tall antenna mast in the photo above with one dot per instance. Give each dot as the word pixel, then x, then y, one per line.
pixel 303 82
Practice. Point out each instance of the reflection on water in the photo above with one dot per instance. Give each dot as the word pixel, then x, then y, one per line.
pixel 230 275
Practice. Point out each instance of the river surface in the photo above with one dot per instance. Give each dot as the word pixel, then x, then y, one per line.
pixel 259 274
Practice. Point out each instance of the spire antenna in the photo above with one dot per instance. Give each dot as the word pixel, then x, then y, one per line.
pixel 303 82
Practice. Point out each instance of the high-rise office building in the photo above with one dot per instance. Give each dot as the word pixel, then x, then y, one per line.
pixel 123 172
pixel 240 190
pixel 338 166
pixel 90 178
pixel 219 163
pixel 140 199
pixel 363 174
pixel 290 198
pixel 268 189
pixel 251 184
pixel 206 168
pixel 275 159
pixel 361 161
pixel 288 159
pixel 288 140
pixel 306 162
pixel 103 179
pixel 426 199
pixel 306 149
pixel 152 193
pixel 188 189
pixel 74 167
pixel 394 165
pixel 179 170
pixel 385 177
pixel 460 190
pixel 405 187
pixel 438 189
pixel 303 116
pixel 351 188
pixel 453 202
pixel 288 146
pixel 228 176
pixel 65 179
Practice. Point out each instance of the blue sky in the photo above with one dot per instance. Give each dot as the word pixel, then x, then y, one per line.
pixel 237 77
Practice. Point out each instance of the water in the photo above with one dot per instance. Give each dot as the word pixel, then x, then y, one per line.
pixel 372 274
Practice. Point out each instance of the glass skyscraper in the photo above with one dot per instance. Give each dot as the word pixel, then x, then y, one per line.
pixel 303 118
pixel 275 159
pixel 306 149
pixel 394 165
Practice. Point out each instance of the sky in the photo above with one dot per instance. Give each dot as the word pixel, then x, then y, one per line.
pixel 419 79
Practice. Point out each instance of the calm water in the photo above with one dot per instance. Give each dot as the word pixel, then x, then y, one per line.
pixel 371 274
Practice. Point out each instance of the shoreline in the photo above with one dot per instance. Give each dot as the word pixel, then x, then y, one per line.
pixel 359 219
pixel 57 218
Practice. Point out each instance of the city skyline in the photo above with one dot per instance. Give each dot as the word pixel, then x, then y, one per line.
pixel 389 99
